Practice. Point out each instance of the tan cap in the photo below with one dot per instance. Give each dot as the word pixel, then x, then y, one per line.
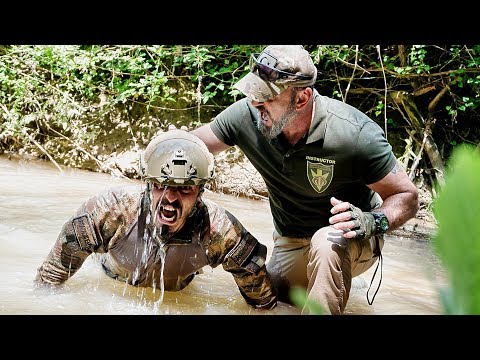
pixel 292 59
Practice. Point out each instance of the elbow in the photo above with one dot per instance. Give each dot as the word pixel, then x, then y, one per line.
pixel 414 202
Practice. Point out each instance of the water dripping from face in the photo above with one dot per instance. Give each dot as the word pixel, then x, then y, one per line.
pixel 174 206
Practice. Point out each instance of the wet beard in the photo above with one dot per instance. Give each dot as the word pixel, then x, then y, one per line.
pixel 164 235
pixel 277 126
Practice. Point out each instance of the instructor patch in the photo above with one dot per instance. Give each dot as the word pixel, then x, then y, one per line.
pixel 319 175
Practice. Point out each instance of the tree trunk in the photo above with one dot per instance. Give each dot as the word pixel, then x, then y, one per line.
pixel 423 129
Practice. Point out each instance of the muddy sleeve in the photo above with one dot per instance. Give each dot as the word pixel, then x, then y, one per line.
pixel 241 254
pixel 75 242
pixel 89 230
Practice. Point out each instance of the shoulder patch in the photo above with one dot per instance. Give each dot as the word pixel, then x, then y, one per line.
pixel 85 233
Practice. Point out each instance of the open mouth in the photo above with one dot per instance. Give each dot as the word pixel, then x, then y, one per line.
pixel 168 214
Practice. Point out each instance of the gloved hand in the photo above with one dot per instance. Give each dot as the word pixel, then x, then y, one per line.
pixel 364 222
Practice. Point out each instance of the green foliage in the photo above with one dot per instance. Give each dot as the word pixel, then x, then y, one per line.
pixel 456 242
pixel 417 57
pixel 55 93
pixel 299 298
pixel 465 77
pixel 379 108
pixel 85 91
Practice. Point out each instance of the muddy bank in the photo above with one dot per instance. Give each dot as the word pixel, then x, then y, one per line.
pixel 235 175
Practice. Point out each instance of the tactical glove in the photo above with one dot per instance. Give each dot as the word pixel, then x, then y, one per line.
pixel 364 222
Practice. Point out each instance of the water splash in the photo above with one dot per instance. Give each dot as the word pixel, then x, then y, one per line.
pixel 152 243
pixel 161 252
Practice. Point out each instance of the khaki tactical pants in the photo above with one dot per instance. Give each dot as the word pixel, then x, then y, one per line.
pixel 324 265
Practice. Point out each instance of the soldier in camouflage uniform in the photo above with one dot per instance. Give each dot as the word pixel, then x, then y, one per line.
pixel 163 234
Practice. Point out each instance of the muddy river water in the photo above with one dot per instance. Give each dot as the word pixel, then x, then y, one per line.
pixel 36 199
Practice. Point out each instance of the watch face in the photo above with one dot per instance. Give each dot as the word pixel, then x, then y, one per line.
pixel 384 223
pixel 381 222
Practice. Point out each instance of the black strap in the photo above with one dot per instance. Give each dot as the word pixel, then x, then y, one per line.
pixel 380 262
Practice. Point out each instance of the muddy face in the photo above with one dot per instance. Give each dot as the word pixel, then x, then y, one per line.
pixel 176 204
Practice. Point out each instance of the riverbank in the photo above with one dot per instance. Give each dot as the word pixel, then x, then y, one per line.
pixel 235 175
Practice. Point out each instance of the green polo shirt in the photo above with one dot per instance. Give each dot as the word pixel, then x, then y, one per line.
pixel 343 151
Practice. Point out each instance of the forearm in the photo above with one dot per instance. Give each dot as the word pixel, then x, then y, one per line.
pixel 246 262
pixel 240 254
pixel 400 196
pixel 64 259
pixel 256 289
pixel 399 208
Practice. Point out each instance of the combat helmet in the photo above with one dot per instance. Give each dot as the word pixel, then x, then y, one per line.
pixel 177 158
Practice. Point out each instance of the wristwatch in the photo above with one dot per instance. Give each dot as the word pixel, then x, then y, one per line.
pixel 381 222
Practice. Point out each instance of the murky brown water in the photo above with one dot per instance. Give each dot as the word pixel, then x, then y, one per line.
pixel 36 199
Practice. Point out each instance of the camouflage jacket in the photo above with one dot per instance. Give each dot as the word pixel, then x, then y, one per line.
pixel 107 224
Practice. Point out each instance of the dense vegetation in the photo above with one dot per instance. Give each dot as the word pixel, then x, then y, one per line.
pixel 78 105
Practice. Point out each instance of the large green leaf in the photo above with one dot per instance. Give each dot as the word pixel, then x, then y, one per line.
pixel 299 299
pixel 457 241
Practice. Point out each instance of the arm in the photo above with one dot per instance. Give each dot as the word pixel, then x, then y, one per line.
pixel 377 167
pixel 400 202
pixel 240 253
pixel 399 195
pixel 213 143
pixel 246 262
pixel 100 220
pixel 67 254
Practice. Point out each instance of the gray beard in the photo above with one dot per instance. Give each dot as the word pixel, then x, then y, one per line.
pixel 278 125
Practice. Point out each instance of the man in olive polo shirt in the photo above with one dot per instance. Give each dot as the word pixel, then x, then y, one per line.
pixel 334 184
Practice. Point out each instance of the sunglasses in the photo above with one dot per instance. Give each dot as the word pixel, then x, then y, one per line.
pixel 271 74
